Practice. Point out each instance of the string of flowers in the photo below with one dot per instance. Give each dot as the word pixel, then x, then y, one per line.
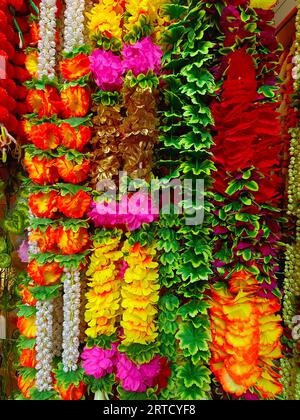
pixel 248 181
pixel 290 361
pixel 14 36
pixel 47 41
pixel 185 246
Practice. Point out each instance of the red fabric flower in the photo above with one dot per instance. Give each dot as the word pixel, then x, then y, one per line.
pixel 75 68
pixel 46 274
pixel 73 139
pixel 43 171
pixel 74 206
pixel 76 101
pixel 71 242
pixel 27 358
pixel 45 103
pixel 72 172
pixel 44 204
pixel 72 393
pixel 45 136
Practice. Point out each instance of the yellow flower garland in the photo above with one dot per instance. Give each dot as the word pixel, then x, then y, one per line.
pixel 103 306
pixel 140 294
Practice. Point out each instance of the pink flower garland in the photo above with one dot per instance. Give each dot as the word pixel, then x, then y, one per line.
pixel 130 213
pixel 108 68
pixel 98 362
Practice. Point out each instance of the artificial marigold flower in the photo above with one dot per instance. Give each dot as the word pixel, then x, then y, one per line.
pixel 26 296
pixel 43 171
pixel 46 240
pixel 34 32
pixel 45 136
pixel 76 101
pixel 45 103
pixel 31 63
pixel 72 393
pixel 27 326
pixel 46 274
pixel 73 139
pixel 25 385
pixel 71 242
pixel 75 68
pixel 72 172
pixel 245 337
pixel 27 358
pixel 44 204
pixel 74 206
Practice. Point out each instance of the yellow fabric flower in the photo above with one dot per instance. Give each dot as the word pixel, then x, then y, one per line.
pixel 104 288
pixel 31 63
pixel 262 4
pixel 140 294
pixel 105 19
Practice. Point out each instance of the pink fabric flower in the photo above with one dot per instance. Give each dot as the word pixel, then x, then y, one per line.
pixel 107 69
pixel 130 212
pixel 137 378
pixel 142 57
pixel 98 362
pixel 23 251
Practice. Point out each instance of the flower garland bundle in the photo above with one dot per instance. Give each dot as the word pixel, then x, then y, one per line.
pixel 248 184
pixel 140 293
pixel 245 337
pixel 58 136
pixel 13 37
pixel 290 363
pixel 104 295
pixel 185 248
pixel 130 212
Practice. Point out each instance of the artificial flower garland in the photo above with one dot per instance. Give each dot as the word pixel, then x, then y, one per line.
pixel 290 363
pixel 247 185
pixel 61 243
pixel 13 37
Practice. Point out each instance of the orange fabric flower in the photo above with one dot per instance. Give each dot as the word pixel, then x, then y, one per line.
pixel 27 326
pixel 27 358
pixel 73 139
pixel 72 172
pixel 26 296
pixel 76 101
pixel 43 171
pixel 45 103
pixel 44 204
pixel 46 240
pixel 72 393
pixel 75 68
pixel 46 274
pixel 70 242
pixel 74 206
pixel 34 32
pixel 25 385
pixel 245 337
pixel 45 136
pixel 31 63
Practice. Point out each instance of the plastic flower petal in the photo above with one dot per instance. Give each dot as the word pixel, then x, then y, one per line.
pixel 107 69
pixel 142 56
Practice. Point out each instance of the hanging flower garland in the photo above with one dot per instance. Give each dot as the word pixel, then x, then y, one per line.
pixel 14 36
pixel 290 363
pixel 246 338
pixel 248 184
pixel 57 232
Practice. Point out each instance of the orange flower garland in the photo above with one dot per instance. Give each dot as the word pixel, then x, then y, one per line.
pixel 245 337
